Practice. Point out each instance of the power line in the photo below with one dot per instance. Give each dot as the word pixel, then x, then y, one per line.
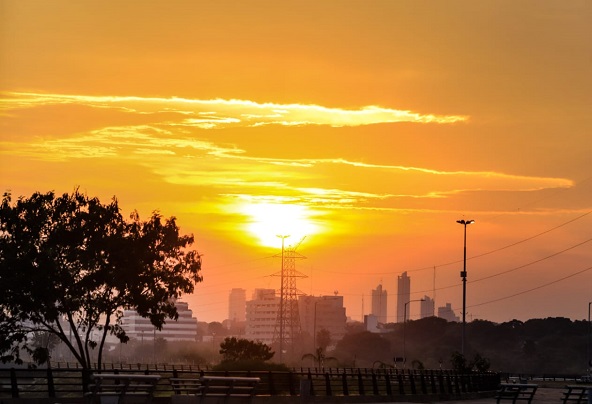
pixel 532 289
pixel 468 258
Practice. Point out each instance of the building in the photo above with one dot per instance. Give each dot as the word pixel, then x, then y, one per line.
pixel 141 329
pixel 447 313
pixel 371 323
pixel 379 304
pixel 237 305
pixel 261 315
pixel 322 312
pixel 403 296
pixel 427 307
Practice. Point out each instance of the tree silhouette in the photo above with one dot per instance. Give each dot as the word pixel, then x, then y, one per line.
pixel 234 350
pixel 323 338
pixel 319 357
pixel 69 265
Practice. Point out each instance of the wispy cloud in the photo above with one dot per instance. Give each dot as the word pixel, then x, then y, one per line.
pixel 178 156
pixel 219 113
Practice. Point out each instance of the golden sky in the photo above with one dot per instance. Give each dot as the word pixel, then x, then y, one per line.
pixel 369 127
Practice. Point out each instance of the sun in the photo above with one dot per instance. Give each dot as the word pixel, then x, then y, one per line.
pixel 270 220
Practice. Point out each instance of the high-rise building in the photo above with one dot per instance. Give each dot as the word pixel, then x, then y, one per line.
pixel 261 315
pixel 322 312
pixel 403 296
pixel 427 307
pixel 237 305
pixel 447 313
pixel 141 329
pixel 379 304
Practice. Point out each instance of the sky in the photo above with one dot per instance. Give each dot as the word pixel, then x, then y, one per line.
pixel 363 130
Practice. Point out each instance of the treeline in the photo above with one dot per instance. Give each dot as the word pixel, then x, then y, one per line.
pixel 537 346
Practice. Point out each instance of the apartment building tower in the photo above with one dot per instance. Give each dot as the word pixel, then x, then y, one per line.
pixel 379 304
pixel 237 305
pixel 403 296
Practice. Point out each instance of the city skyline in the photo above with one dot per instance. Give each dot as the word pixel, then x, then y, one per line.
pixel 359 131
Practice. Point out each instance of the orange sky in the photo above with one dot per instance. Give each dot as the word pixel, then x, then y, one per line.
pixel 370 127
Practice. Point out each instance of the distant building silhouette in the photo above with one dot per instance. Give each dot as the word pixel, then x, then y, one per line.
pixel 447 313
pixel 427 307
pixel 237 305
pixel 403 296
pixel 261 315
pixel 141 329
pixel 379 304
pixel 323 312
pixel 371 323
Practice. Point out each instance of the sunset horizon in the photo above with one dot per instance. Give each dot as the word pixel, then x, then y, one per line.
pixel 360 131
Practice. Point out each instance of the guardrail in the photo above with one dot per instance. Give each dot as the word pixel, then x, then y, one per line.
pixel 68 383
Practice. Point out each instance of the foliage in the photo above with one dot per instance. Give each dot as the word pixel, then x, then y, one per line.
pixel 69 265
pixel 234 350
pixel 362 349
pixel 459 362
pixel 461 365
pixel 481 364
pixel 323 338
pixel 43 343
pixel 319 357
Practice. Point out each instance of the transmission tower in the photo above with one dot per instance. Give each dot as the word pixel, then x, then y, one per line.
pixel 287 327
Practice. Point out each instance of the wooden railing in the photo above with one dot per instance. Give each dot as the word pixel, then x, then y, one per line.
pixel 64 382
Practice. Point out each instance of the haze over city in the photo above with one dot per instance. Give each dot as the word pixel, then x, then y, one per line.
pixel 361 130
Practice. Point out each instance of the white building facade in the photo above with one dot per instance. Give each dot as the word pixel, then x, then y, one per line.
pixel 141 329
pixel 261 315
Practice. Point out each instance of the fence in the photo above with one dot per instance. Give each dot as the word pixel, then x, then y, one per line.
pixel 68 382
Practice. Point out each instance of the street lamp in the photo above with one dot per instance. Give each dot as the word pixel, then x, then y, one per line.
pixel 404 327
pixel 463 275
pixel 589 351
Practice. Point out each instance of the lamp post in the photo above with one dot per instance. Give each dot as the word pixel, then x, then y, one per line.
pixel 463 275
pixel 404 328
pixel 589 349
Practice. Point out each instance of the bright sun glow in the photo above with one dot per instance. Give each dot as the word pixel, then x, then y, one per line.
pixel 268 221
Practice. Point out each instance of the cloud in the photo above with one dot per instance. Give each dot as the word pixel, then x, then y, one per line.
pixel 172 150
pixel 220 113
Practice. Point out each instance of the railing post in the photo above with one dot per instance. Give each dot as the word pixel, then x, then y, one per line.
pixel 424 389
pixel 387 382
pixel 50 384
pixel 14 384
pixel 344 383
pixel 374 383
pixel 361 389
pixel 401 384
pixel 291 383
pixel 433 382
pixel 456 384
pixel 412 382
pixel 328 390
pixel 449 383
pixel 312 391
pixel 272 390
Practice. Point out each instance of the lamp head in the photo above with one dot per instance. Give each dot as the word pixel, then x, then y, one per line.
pixel 465 222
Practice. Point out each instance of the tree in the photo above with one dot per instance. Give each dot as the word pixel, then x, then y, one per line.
pixel 319 357
pixel 364 348
pixel 234 350
pixel 69 265
pixel 323 338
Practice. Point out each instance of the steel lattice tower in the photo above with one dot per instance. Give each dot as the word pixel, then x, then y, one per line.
pixel 287 327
